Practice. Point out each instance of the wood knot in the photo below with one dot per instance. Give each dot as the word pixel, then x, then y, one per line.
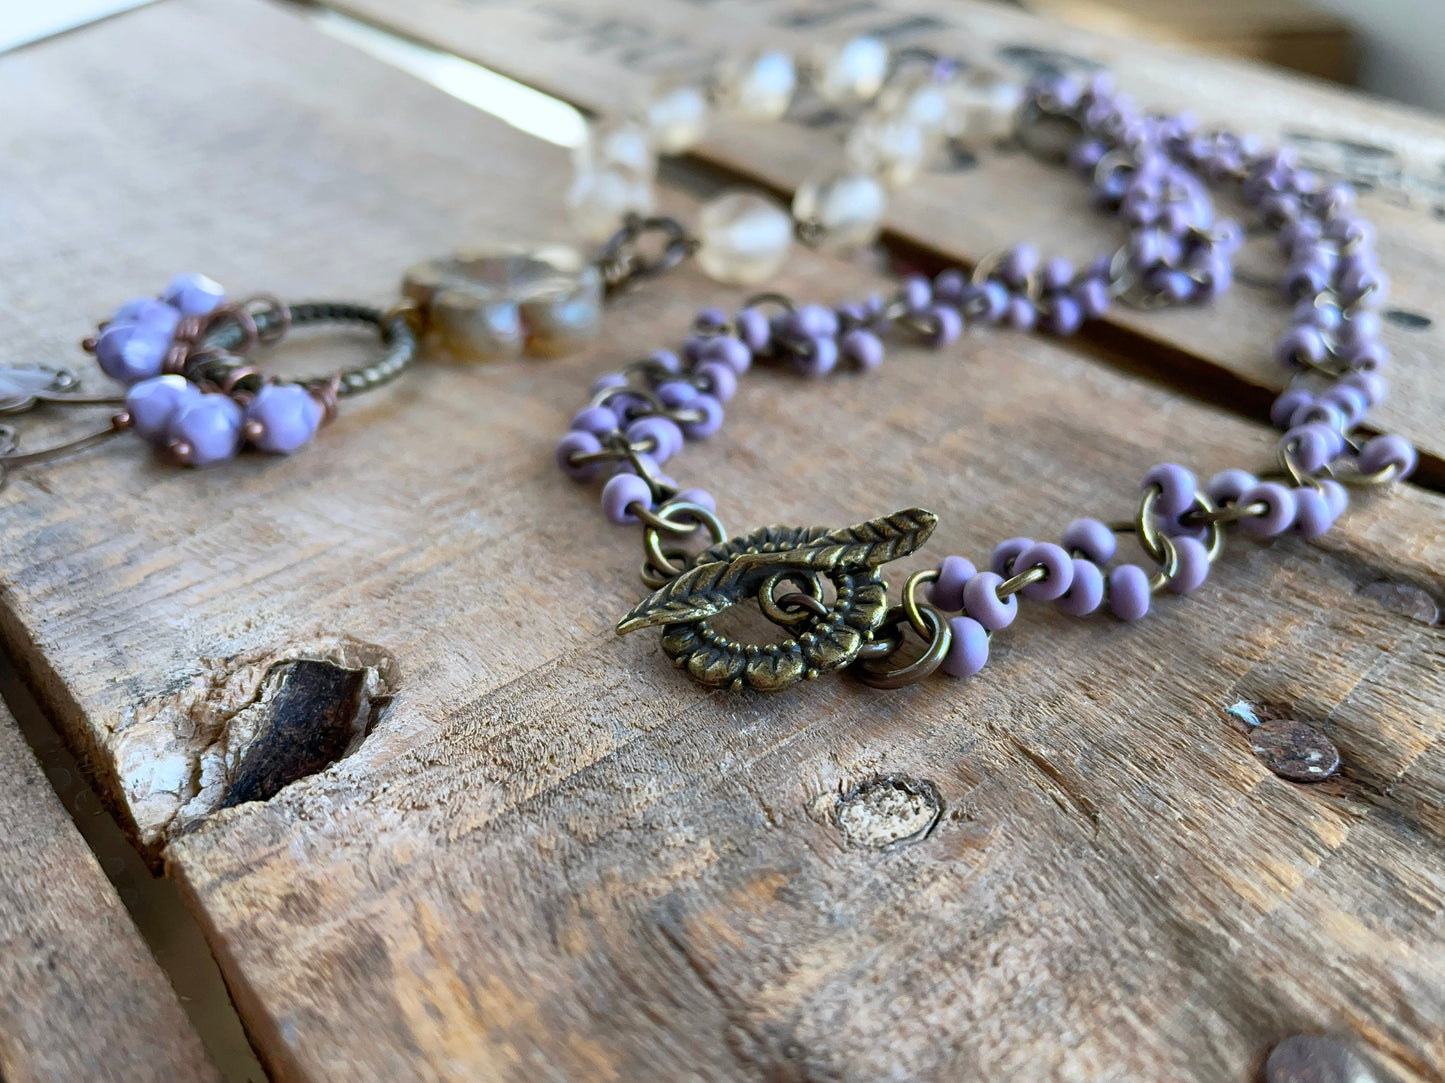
pixel 890 811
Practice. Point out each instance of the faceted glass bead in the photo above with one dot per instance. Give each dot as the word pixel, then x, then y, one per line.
pixel 676 117
pixel 504 301
pixel 889 146
pixel 745 238
pixel 761 87
pixel 847 208
pixel 849 73
pixel 600 198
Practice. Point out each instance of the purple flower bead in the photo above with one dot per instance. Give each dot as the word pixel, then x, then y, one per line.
pixel 1279 509
pixel 598 420
pixel 129 352
pixel 709 422
pixel 666 437
pixel 946 591
pixel 862 348
pixel 1002 561
pixel 753 329
pixel 1176 489
pixel 1128 592
pixel 981 600
pixel 1092 539
pixel 1055 561
pixel 153 404
pixel 1227 486
pixel 193 294
pixel 720 380
pixel 1191 565
pixel 578 443
pixel 821 357
pixel 620 493
pixel 206 430
pixel 1383 452
pixel 1086 590
pixel 281 418
pixel 730 351
pixel 967 647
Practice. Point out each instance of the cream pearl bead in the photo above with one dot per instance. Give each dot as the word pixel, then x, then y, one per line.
pixel 599 198
pixel 745 236
pixel 760 88
pixel 891 147
pixel 850 73
pixel 847 207
pixel 676 118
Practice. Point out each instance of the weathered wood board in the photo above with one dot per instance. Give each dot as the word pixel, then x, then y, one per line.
pixel 553 856
pixel 80 996
pixel 604 56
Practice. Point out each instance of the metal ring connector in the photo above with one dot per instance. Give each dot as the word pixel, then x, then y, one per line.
pixel 876 674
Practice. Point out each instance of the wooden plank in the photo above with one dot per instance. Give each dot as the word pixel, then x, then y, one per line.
pixel 603 55
pixel 554 857
pixel 80 995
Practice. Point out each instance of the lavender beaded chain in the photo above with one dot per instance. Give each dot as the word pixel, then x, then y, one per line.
pixel 1153 172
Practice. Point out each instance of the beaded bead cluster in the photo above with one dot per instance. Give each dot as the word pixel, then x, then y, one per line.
pixel 1154 173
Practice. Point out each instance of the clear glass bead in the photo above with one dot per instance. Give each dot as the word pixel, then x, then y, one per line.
pixel 919 96
pixel 850 73
pixel 891 147
pixel 982 107
pixel 676 117
pixel 761 87
pixel 624 145
pixel 845 208
pixel 599 198
pixel 746 237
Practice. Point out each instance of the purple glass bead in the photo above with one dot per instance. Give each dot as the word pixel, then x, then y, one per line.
pixel 700 497
pixel 946 591
pixel 986 302
pixel 1227 485
pixel 674 393
pixel 1326 317
pixel 1350 231
pixel 1301 345
pixel 1018 263
pixel 981 600
pixel 1350 401
pixel 720 378
pixel 206 430
pixel 281 418
pixel 641 463
pixel 1381 452
pixel 1337 498
pixel 821 357
pixel 1092 296
pixel 1176 489
pixel 816 321
pixel 1309 446
pixel 666 360
pixel 148 310
pixel 153 404
pixel 1084 156
pixel 1311 513
pixel 753 329
pixel 709 319
pixel 967 647
pixel 1279 513
pixel 1062 315
pixel 1022 315
pixel 1305 281
pixel 129 352
pixel 945 325
pixel 950 286
pixel 1371 383
pixel 1368 356
pixel 1056 561
pixel 1128 592
pixel 193 294
pixel 1056 274
pixel 574 443
pixel 1191 565
pixel 1361 285
pixel 1091 538
pixel 1362 326
pixel 606 382
pixel 666 437
pixel 1299 233
pixel 1318 412
pixel 862 348
pixel 710 421
pixel 916 293
pixel 730 351
pixel 1174 287
pixel 693 345
pixel 620 493
pixel 598 420
pixel 1002 560
pixel 1086 590
pixel 1281 414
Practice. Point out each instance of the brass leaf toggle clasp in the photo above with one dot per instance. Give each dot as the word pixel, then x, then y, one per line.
pixel 829 637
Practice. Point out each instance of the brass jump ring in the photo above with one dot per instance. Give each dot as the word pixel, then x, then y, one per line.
pixel 877 675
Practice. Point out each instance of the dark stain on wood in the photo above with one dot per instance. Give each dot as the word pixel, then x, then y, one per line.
pixel 315 715
pixel 1313 1058
pixel 1410 321
pixel 1405 599
pixel 1292 749
pixel 885 812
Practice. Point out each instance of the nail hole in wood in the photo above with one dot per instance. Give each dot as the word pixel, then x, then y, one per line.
pixel 1292 749
pixel 1313 1058
pixel 890 811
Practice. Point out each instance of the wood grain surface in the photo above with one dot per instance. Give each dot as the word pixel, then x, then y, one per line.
pixel 80 996
pixel 552 856
pixel 605 56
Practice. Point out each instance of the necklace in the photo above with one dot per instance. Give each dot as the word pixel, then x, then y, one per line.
pixel 1153 172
